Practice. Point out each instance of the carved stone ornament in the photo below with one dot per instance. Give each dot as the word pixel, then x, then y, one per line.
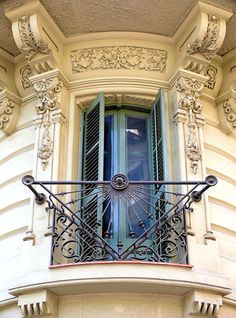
pixel 30 46
pixel 227 112
pixel 48 90
pixel 38 304
pixel 202 304
pixel 9 112
pixel 118 57
pixel 192 148
pixel 208 46
pixel 230 114
pixel 190 90
pixel 26 72
pixel 210 73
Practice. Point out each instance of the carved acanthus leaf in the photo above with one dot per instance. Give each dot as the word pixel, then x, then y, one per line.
pixel 208 45
pixel 118 57
pixel 30 46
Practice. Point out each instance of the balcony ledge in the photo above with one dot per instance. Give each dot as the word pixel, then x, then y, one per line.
pixel 120 277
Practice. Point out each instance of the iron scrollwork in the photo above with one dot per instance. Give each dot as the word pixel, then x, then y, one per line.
pixel 119 220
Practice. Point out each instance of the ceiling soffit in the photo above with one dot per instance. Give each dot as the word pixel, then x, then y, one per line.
pixel 76 17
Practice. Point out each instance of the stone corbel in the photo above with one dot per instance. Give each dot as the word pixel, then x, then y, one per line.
pixel 208 26
pixel 29 32
pixel 227 112
pixel 38 304
pixel 204 304
pixel 9 111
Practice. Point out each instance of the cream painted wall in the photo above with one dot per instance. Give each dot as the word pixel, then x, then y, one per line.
pixel 16 160
pixel 157 290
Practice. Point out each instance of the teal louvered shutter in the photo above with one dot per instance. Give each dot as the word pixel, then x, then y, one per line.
pixel 94 140
pixel 93 165
pixel 158 130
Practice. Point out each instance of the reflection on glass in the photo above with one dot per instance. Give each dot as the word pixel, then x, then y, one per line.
pixel 136 148
pixel 137 169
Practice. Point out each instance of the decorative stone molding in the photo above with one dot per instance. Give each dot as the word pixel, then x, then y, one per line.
pixel 30 45
pixel 227 112
pixel 208 46
pixel 118 57
pixel 210 73
pixel 190 89
pixel 26 73
pixel 230 111
pixel 35 35
pixel 9 111
pixel 42 303
pixel 202 304
pixel 48 90
pixel 207 27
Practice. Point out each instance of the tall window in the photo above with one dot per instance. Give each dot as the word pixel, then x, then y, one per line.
pixel 128 141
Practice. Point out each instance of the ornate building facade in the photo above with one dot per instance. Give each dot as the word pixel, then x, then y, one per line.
pixel 137 102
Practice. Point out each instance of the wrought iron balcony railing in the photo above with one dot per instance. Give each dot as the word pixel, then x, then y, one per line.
pixel 119 220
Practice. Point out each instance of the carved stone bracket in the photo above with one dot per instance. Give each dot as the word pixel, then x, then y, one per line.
pixel 209 45
pixel 48 90
pixel 42 303
pixel 189 91
pixel 207 25
pixel 202 304
pixel 29 44
pixel 118 57
pixel 227 112
pixel 29 31
pixel 9 111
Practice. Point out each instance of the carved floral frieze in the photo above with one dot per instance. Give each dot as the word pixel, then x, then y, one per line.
pixel 210 73
pixel 48 91
pixel 30 46
pixel 190 89
pixel 118 57
pixel 208 45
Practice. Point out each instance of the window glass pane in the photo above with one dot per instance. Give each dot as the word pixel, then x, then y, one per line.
pixel 108 145
pixel 137 169
pixel 136 148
